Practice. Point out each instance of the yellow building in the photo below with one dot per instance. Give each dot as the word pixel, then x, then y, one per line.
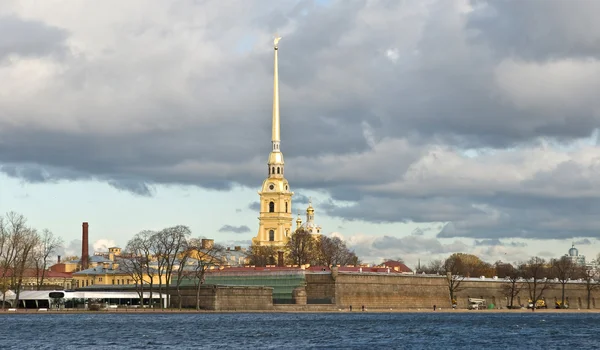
pixel 110 269
pixel 275 220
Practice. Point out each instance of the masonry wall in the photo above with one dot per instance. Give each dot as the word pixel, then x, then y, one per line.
pixel 396 291
pixel 378 291
pixel 320 288
pixel 492 291
pixel 226 298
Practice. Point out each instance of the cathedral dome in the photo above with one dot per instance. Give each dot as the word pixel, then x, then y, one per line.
pixel 573 251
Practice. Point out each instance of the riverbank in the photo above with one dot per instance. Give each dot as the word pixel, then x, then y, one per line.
pixel 288 310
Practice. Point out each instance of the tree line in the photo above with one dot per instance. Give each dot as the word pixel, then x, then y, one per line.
pixel 23 249
pixel 162 260
pixel 532 277
pixel 302 248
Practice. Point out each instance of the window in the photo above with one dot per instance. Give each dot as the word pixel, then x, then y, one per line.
pixel 99 279
pixel 271 207
pixel 113 281
pixel 271 235
pixel 277 170
pixel 273 170
pixel 286 207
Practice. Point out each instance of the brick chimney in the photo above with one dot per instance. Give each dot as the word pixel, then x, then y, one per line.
pixel 59 259
pixel 85 254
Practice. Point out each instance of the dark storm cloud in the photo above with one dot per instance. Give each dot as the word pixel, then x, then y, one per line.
pixel 584 241
pixel 136 187
pixel 366 99
pixel 254 206
pixel 235 229
pixel 29 38
pixel 565 29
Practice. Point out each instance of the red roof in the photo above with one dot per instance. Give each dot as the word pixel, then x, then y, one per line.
pixel 358 269
pixel 34 272
pixel 396 265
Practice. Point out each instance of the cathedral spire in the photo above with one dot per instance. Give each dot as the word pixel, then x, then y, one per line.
pixel 275 137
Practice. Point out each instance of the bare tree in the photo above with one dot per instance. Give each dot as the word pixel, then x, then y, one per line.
pixel 333 251
pixel 137 262
pixel 17 241
pixel 434 267
pixel 453 266
pixel 47 245
pixel 168 244
pixel 206 259
pixel 564 270
pixel 591 278
pixel 25 241
pixel 186 253
pixel 260 255
pixel 300 246
pixel 513 285
pixel 535 272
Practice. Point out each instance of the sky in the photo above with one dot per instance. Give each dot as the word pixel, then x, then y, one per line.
pixel 417 128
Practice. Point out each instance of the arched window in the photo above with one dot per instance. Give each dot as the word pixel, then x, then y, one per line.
pixel 286 207
pixel 277 170
pixel 271 207
pixel 273 170
pixel 271 235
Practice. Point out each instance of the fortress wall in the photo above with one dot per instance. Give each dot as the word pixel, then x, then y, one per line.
pixel 226 298
pixel 320 288
pixel 382 291
pixel 575 294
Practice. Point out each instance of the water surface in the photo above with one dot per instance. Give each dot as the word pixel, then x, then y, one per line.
pixel 356 330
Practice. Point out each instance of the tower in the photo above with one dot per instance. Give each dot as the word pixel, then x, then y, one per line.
pixel 310 224
pixel 275 220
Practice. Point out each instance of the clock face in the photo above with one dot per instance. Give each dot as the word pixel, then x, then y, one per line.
pixel 271 187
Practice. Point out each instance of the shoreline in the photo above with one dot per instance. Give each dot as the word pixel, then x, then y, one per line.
pixel 291 310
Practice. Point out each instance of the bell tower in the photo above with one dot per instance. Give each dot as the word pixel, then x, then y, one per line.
pixel 275 218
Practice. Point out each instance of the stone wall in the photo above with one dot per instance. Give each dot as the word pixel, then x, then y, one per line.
pixel 226 298
pixel 320 288
pixel 399 291
pixel 390 291
pixel 377 290
pixel 492 291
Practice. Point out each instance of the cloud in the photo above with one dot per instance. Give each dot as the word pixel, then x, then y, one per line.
pixel 254 206
pixel 497 242
pixel 102 245
pixel 235 229
pixel 29 38
pixel 464 114
pixel 584 241
pixel 422 249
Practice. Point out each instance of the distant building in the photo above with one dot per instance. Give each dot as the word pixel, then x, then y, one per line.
pixel 33 277
pixel 396 266
pixel 574 256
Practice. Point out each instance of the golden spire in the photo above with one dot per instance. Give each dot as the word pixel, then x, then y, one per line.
pixel 310 208
pixel 275 138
